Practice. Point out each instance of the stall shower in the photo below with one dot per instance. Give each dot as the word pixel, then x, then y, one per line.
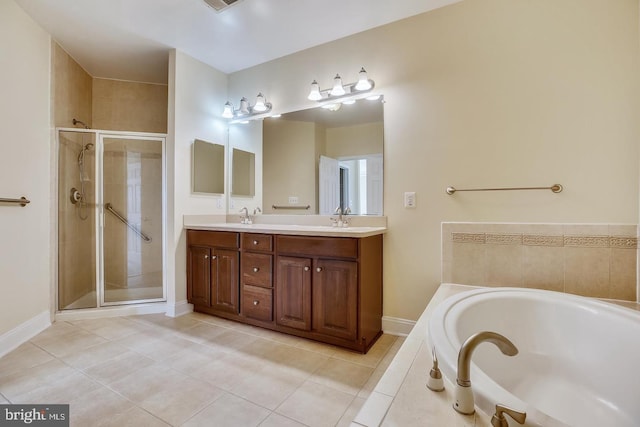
pixel 110 218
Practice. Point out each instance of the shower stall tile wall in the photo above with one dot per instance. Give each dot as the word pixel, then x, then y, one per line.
pixel 594 260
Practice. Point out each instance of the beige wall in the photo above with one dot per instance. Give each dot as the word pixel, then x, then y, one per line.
pixel 131 106
pixel 290 162
pixel 483 94
pixel 357 140
pixel 71 86
pixel 197 93
pixel 25 169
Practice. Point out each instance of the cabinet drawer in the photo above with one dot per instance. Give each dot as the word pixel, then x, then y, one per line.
pixel 218 239
pixel 257 303
pixel 257 242
pixel 257 269
pixel 334 247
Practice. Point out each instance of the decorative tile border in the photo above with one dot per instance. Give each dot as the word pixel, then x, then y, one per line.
pixel 587 241
pixel 623 242
pixel 578 241
pixel 542 240
pixel 468 237
pixel 503 239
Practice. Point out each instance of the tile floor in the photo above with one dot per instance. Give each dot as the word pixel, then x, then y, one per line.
pixel 195 370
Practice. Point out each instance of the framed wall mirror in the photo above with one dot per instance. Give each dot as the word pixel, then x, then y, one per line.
pixel 324 158
pixel 207 167
pixel 243 173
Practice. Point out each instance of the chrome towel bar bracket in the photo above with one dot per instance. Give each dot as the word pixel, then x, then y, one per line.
pixel 556 188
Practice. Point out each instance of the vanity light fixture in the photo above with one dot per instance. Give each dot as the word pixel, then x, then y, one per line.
pixel 246 110
pixel 340 90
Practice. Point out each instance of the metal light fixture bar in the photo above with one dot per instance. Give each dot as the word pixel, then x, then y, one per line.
pixel 340 90
pixel 246 110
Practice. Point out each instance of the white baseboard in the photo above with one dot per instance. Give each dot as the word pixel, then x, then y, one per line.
pixel 397 326
pixel 179 309
pixel 114 311
pixel 14 338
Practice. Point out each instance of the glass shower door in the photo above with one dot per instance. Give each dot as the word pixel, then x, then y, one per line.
pixel 76 220
pixel 132 216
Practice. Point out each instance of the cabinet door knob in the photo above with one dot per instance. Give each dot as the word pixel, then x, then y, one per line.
pixel 256 302
pixel 319 269
pixel 256 269
pixel 306 268
pixel 255 242
pixel 206 257
pixel 213 257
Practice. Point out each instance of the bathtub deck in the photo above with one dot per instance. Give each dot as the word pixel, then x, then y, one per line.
pixel 401 397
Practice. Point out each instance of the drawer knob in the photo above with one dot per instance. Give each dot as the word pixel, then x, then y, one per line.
pixel 306 269
pixel 256 269
pixel 319 269
pixel 256 302
pixel 255 242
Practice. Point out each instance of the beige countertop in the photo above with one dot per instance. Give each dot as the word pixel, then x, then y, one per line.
pixel 401 397
pixel 272 225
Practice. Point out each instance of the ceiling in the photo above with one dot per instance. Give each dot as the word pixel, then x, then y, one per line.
pixel 129 39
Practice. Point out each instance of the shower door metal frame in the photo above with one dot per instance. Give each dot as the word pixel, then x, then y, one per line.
pixel 102 135
pixel 99 212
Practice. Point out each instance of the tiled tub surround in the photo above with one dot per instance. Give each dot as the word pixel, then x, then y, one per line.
pixel 594 260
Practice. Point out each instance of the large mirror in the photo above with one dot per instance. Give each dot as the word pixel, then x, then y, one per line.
pixel 319 159
pixel 207 167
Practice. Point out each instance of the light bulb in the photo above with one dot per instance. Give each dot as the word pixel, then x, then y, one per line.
pixel 260 105
pixel 315 94
pixel 227 113
pixel 363 81
pixel 244 106
pixel 337 90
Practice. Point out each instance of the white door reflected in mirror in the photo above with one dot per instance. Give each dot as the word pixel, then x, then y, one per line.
pixel 354 183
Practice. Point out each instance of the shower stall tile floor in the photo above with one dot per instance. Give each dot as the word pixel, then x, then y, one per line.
pixel 194 370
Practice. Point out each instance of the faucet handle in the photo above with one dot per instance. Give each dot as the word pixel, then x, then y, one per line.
pixel 498 419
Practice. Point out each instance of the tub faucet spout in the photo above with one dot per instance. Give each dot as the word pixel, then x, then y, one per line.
pixel 464 402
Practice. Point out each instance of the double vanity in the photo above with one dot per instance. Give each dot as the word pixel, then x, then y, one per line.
pixel 313 281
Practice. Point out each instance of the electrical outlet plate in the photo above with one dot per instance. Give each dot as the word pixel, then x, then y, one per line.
pixel 410 199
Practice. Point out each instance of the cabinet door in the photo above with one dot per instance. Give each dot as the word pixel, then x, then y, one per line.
pixel 225 286
pixel 293 292
pixel 199 276
pixel 335 293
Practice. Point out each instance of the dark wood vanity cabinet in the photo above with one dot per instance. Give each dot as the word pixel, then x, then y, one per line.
pixel 325 288
pixel 257 276
pixel 213 261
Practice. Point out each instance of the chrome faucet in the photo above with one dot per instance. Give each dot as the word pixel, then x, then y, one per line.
pixel 464 402
pixel 257 210
pixel 342 221
pixel 244 219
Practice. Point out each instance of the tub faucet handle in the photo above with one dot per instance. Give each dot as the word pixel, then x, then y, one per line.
pixel 498 419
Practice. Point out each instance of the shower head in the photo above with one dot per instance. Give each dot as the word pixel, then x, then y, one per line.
pixel 75 122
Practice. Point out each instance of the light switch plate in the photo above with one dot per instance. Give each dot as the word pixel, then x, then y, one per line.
pixel 293 200
pixel 410 199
